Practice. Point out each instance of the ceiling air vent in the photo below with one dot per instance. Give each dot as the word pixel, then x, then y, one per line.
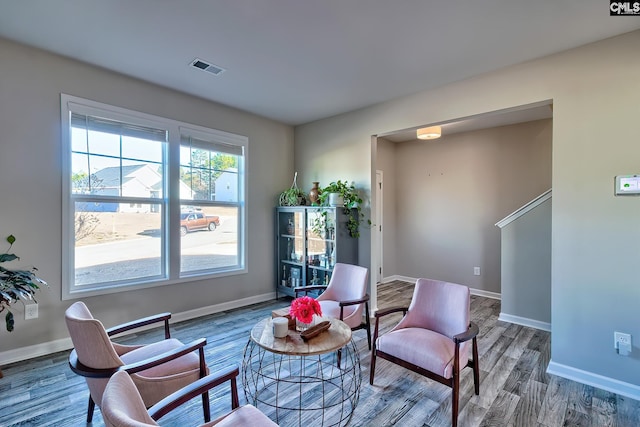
pixel 205 66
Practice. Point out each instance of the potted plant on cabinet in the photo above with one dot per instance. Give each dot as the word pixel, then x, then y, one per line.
pixel 292 196
pixel 16 285
pixel 350 201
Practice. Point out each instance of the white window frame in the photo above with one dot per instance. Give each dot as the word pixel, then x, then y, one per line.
pixel 170 201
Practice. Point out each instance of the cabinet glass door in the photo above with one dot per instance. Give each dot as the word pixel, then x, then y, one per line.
pixel 291 249
pixel 321 243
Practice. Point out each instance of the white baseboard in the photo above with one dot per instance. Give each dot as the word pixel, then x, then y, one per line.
pixel 43 349
pixel 37 350
pixel 486 294
pixel 397 277
pixel 217 308
pixel 524 321
pixel 584 377
pixel 478 292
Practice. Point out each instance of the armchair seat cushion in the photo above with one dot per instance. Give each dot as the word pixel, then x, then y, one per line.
pixel 246 415
pixel 159 381
pixel 428 349
pixel 332 309
pixel 173 367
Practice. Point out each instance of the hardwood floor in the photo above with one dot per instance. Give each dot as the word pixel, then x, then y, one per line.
pixel 514 388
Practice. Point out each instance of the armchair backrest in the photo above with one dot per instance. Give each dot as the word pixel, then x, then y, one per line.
pixel 122 405
pixel 348 282
pixel 90 339
pixel 439 306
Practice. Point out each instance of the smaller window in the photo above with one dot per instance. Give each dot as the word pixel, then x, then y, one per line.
pixel 210 169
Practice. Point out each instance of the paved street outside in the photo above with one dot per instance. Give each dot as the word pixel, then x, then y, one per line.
pixel 128 245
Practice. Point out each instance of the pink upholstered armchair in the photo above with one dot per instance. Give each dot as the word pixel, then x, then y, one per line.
pixel 345 297
pixel 157 369
pixel 122 405
pixel 433 338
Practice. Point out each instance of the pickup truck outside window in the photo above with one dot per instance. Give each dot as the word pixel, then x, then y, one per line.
pixel 120 199
pixel 197 221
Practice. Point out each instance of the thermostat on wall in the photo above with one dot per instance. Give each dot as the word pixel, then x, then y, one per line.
pixel 628 185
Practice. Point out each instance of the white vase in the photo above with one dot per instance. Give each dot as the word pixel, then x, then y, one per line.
pixel 336 199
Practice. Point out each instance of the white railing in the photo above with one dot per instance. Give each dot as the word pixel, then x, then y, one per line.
pixel 524 209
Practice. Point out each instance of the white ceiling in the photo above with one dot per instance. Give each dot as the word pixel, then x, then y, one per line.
pixel 519 114
pixel 296 61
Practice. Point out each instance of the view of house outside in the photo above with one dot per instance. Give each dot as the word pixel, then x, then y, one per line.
pixel 121 240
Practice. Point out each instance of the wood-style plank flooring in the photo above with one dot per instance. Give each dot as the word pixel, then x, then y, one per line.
pixel 514 388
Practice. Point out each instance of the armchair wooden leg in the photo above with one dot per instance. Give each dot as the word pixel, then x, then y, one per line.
pixel 90 409
pixel 206 410
pixel 372 368
pixel 454 398
pixel 235 402
pixel 368 322
pixel 476 367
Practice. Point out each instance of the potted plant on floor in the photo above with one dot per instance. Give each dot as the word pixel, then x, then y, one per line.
pixel 16 285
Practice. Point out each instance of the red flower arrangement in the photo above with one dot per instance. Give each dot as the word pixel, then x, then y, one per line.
pixel 304 308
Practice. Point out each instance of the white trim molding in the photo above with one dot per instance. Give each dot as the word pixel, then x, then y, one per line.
pixel 217 308
pixel 397 277
pixel 478 292
pixel 37 350
pixel 589 378
pixel 486 294
pixel 525 321
pixel 45 348
pixel 524 209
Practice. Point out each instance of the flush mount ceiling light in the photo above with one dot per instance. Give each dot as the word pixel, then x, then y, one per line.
pixel 432 132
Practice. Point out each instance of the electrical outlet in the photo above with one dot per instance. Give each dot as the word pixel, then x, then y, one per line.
pixel 476 271
pixel 31 311
pixel 622 343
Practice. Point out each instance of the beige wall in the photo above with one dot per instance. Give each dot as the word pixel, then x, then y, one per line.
pixel 595 237
pixel 30 186
pixel 339 155
pixel 526 267
pixel 450 192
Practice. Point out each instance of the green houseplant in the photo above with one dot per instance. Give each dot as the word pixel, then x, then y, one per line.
pixel 292 196
pixel 352 201
pixel 16 285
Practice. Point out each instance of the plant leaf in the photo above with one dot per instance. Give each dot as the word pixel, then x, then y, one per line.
pixel 9 321
pixel 11 239
pixel 7 257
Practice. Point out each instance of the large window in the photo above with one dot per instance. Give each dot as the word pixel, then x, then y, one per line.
pixel 147 201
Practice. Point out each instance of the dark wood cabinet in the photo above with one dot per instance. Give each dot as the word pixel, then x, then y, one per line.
pixel 309 242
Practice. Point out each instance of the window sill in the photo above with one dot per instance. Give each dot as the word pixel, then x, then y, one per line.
pixel 114 288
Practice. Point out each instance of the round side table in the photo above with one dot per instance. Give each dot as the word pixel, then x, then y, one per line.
pixel 313 383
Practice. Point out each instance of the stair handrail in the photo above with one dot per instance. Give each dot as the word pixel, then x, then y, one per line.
pixel 524 209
